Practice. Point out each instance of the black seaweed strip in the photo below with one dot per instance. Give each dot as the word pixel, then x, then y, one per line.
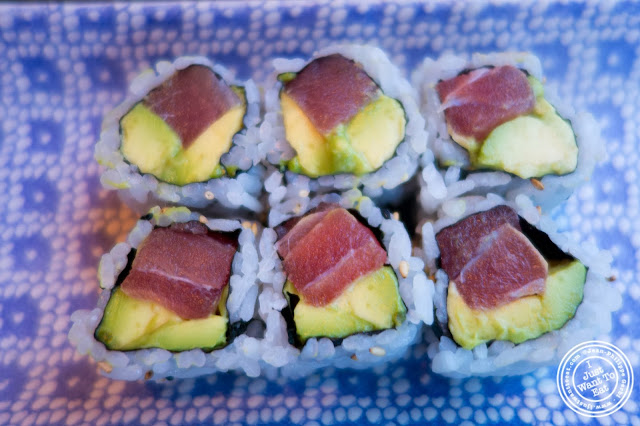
pixel 287 313
pixel 547 248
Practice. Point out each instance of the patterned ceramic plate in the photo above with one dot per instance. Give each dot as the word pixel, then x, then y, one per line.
pixel 62 67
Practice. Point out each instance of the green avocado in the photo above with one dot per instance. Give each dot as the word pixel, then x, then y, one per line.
pixel 370 303
pixel 533 145
pixel 525 318
pixel 130 323
pixel 360 146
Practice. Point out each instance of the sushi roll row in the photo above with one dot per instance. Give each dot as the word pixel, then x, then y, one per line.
pixel 191 134
pixel 187 295
pixel 289 260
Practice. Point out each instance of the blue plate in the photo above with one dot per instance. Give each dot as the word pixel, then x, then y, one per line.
pixel 62 67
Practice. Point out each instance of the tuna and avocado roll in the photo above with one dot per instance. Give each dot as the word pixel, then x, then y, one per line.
pixel 506 281
pixel 497 127
pixel 187 135
pixel 341 287
pixel 173 294
pixel 337 280
pixel 178 300
pixel 511 294
pixel 344 118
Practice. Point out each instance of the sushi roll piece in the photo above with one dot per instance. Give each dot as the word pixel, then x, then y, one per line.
pixel 343 119
pixel 178 300
pixel 187 134
pixel 341 286
pixel 496 127
pixel 511 293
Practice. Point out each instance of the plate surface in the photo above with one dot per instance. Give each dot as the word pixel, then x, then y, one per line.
pixel 62 67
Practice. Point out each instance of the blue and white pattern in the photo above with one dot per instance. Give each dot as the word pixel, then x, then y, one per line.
pixel 62 67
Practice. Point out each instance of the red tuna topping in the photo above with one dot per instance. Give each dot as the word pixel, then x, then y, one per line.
pixel 332 254
pixel 191 100
pixel 292 231
pixel 331 90
pixel 184 268
pixel 506 267
pixel 459 242
pixel 477 102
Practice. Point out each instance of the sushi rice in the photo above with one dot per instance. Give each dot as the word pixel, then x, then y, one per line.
pixel 498 358
pixel 395 171
pixel 141 191
pixel 361 350
pixel 440 186
pixel 242 354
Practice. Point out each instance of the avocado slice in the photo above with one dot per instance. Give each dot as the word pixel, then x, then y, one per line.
pixel 130 323
pixel 522 319
pixel 531 146
pixel 144 132
pixel 155 148
pixel 360 146
pixel 371 303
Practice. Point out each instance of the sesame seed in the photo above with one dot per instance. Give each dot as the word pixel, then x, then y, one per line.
pixel 377 351
pixel 404 268
pixel 105 366
pixel 537 184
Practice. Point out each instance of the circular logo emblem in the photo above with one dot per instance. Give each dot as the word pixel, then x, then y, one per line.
pixel 595 379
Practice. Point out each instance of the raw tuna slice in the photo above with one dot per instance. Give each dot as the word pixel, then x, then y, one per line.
pixel 477 102
pixel 293 230
pixel 507 267
pixel 459 242
pixel 332 255
pixel 192 100
pixel 183 268
pixel 331 90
